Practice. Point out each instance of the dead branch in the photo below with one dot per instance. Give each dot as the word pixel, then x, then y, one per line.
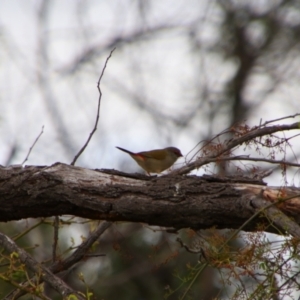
pixel 98 111
pixel 183 201
pixel 234 142
pixel 35 141
pixel 256 159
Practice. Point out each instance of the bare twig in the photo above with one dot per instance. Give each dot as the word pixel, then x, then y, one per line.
pixel 270 161
pixel 81 250
pixel 207 142
pixel 30 149
pixel 231 144
pixel 98 111
pixel 280 119
pixel 55 237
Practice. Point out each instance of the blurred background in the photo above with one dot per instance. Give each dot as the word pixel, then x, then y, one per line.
pixel 182 72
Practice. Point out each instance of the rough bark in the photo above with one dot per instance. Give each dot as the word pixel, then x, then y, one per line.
pixel 177 201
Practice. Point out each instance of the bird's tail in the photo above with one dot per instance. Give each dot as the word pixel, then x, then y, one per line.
pixel 124 150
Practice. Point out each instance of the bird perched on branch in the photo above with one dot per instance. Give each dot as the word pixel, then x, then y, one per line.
pixel 155 161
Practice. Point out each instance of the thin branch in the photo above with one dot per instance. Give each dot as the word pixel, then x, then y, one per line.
pixel 30 149
pixel 248 158
pixel 280 119
pixel 231 144
pixel 264 282
pixel 98 111
pixel 56 283
pixel 208 142
pixel 55 237
pixel 81 251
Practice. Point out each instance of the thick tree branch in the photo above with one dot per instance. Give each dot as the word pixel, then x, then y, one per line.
pixel 174 201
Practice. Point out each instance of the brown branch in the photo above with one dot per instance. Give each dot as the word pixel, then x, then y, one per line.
pixel 30 149
pixel 280 119
pixel 231 144
pixel 98 111
pixel 284 223
pixel 270 161
pixel 55 237
pixel 65 264
pixel 183 201
pixel 56 283
pixel 81 251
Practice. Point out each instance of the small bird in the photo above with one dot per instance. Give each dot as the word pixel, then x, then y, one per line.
pixel 155 161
